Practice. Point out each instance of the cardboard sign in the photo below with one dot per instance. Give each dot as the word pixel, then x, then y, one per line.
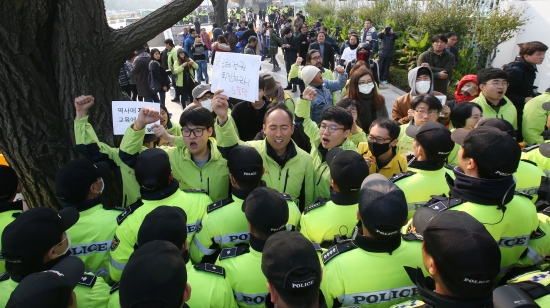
pixel 237 74
pixel 126 112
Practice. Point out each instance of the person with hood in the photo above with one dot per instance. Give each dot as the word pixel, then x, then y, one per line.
pixel 466 91
pixel 364 53
pixel 349 53
pixel 440 61
pixel 387 50
pixel 345 44
pixel 314 58
pixel 421 82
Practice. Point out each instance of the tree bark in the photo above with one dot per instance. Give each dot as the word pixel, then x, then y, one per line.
pixel 52 51
pixel 220 11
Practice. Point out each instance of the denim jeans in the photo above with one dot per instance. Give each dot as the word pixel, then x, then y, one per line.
pixel 203 69
pixel 162 95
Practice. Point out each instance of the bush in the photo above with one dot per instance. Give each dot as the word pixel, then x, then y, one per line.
pixel 402 12
pixel 443 17
pixel 399 78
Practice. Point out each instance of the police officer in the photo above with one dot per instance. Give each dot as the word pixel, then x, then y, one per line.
pixel 79 184
pixel 50 289
pixel 539 154
pixel 461 257
pixel 432 145
pixel 9 188
pixel 377 252
pixel 484 188
pixel 266 211
pixel 526 290
pixel 155 277
pixel 158 187
pixel 224 224
pixel 36 241
pixel 168 223
pixel 337 215
pixel 293 271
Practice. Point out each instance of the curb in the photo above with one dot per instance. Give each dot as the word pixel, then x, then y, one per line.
pixel 395 89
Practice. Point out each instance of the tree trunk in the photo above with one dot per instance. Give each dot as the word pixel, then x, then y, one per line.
pixel 52 51
pixel 220 11
pixel 242 4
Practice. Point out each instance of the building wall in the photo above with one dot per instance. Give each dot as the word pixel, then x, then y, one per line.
pixel 537 29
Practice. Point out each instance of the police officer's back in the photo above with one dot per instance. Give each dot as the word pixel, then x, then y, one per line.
pixel 368 270
pixel 426 176
pixel 267 212
pixel 158 187
pixel 224 225
pixel 337 215
pixel 9 187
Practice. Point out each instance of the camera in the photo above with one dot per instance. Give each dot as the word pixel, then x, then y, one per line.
pixel 387 29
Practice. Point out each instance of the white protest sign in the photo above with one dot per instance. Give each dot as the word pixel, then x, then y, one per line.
pixel 442 99
pixel 168 34
pixel 237 74
pixel 126 112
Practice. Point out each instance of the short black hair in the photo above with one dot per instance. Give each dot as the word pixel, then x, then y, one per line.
pixel 368 19
pixel 487 74
pixel 278 106
pixel 225 23
pixel 251 26
pixel 198 116
pixel 215 25
pixel 192 30
pixel 461 112
pixel 389 124
pixel 438 37
pixel 252 39
pixel 169 41
pixel 261 82
pixel 346 102
pixel 451 34
pixel 432 102
pixel 287 30
pixel 309 53
pixel 304 297
pixel 319 33
pixel 338 115
pixel 270 26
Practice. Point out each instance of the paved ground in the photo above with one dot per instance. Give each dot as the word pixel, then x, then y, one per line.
pixel 389 92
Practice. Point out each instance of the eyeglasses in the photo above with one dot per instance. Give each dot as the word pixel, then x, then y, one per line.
pixel 497 84
pixel 379 140
pixel 196 131
pixel 428 112
pixel 332 128
pixel 316 58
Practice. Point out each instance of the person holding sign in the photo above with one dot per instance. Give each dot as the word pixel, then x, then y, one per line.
pixel 288 169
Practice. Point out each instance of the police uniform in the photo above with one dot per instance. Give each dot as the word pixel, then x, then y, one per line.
pixel 525 288
pixel 528 179
pixel 539 242
pixel 224 225
pixel 404 143
pixel 193 202
pixel 532 153
pixel 8 212
pixel 397 164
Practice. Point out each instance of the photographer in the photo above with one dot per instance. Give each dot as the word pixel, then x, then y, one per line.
pixel 387 50
pixel 302 41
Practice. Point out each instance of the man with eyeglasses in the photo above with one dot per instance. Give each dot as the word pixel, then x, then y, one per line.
pixel 196 161
pixel 492 99
pixel 440 61
pixel 36 241
pixel 380 151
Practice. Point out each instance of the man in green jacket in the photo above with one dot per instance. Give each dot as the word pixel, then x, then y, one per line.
pixel 288 169
pixel 440 61
pixel 535 117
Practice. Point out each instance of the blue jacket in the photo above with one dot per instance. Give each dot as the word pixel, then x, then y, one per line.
pixel 187 46
pixel 323 100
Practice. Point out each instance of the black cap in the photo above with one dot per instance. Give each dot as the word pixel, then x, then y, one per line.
pixel 155 273
pixel 382 206
pixel 8 182
pixel 465 251
pixel 434 138
pixel 167 223
pixel 34 232
pixel 501 124
pixel 492 149
pixel 266 210
pixel 245 163
pixel 48 289
pixel 75 178
pixel 290 262
pixel 152 169
pixel 348 169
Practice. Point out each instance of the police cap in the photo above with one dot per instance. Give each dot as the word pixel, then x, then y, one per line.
pixel 245 163
pixel 34 232
pixel 154 274
pixel 48 289
pixel 348 169
pixel 382 206
pixel 152 169
pixel 8 182
pixel 75 178
pixel 167 223
pixel 501 124
pixel 434 138
pixel 266 210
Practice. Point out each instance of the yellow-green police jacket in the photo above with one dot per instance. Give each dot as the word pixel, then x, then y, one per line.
pixel 539 242
pixel 194 204
pixel 534 119
pixel 533 154
pixel 213 177
pixel 92 235
pixel 541 277
pixel 7 209
pixel 320 166
pixel 224 225
pixel 294 178
pixel 91 291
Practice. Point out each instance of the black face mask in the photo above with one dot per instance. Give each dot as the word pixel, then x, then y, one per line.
pixel 378 149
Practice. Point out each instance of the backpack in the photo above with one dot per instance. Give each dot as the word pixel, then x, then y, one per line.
pixel 232 40
pixel 514 66
pixel 154 85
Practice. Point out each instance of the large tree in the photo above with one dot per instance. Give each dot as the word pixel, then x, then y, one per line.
pixel 51 52
pixel 220 11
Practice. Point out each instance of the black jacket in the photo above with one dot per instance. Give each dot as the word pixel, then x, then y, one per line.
pixel 521 76
pixel 160 74
pixel 248 120
pixel 302 43
pixel 328 54
pixel 388 41
pixel 290 53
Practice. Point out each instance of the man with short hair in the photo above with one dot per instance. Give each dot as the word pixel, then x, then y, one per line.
pixel 169 57
pixel 325 48
pixel 224 224
pixel 452 38
pixel 440 61
pixel 216 31
pixel 377 250
pixel 330 40
pixel 492 99
pixel 332 218
pixel 10 186
pixel 368 34
pixel 189 42
pixel 141 72
pixel 293 271
pixel 387 50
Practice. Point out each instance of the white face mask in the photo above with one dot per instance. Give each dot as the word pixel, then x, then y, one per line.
pixel 207 104
pixel 68 239
pixel 366 88
pixel 422 87
pixel 102 186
